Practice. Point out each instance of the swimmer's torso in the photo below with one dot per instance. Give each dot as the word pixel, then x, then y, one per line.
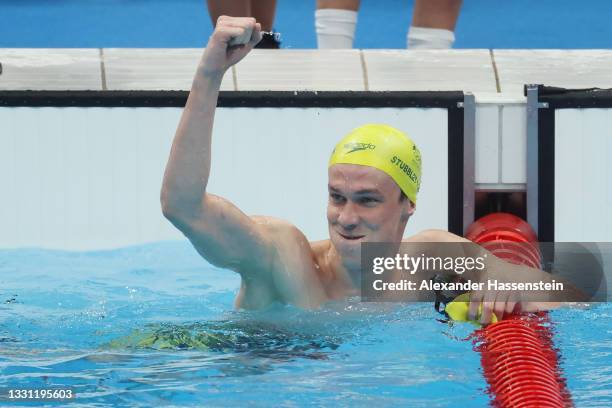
pixel 300 274
pixel 303 273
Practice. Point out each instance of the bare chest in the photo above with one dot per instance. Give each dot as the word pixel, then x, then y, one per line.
pixel 296 278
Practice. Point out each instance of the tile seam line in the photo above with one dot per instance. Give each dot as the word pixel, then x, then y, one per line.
pixel 364 71
pixel 495 71
pixel 102 69
pixel 234 78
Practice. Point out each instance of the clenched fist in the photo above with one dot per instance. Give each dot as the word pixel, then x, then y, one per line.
pixel 231 41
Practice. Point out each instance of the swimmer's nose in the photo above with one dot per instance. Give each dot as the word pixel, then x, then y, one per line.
pixel 348 217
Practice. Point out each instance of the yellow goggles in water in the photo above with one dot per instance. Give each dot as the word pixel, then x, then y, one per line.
pixel 458 310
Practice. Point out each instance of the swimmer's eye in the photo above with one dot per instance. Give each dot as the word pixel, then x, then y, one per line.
pixel 368 201
pixel 337 198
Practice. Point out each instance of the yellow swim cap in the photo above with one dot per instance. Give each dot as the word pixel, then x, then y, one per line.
pixel 385 148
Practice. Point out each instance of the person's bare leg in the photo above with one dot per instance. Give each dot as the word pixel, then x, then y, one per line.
pixel 441 14
pixel 335 22
pixel 338 4
pixel 433 24
pixel 233 8
pixel 264 11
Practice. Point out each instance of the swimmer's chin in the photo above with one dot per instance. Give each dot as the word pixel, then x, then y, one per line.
pixel 349 248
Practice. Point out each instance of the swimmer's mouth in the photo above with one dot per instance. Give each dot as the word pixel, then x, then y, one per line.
pixel 352 238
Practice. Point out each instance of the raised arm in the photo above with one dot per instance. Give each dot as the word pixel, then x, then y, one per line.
pixel 188 169
pixel 220 232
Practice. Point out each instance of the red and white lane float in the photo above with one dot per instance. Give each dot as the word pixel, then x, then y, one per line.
pixel 518 357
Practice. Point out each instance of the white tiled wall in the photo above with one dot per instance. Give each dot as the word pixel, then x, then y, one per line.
pixel 583 175
pixel 83 177
pixel 89 178
pixel 501 146
pixel 487 144
pixel 513 144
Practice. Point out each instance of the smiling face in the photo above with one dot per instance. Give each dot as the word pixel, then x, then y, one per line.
pixel 364 206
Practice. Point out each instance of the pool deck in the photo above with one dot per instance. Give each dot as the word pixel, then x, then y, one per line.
pixel 496 75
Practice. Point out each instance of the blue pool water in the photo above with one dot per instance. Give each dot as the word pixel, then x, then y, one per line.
pixel 79 320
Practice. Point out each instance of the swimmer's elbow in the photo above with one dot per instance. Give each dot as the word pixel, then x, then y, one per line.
pixel 168 210
pixel 168 204
pixel 176 210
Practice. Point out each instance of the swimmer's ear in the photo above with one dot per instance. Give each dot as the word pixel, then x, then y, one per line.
pixel 412 207
pixel 408 210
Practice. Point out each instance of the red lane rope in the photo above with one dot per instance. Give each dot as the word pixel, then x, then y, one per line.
pixel 518 357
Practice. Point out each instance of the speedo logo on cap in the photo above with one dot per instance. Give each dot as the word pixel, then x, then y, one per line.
pixel 356 146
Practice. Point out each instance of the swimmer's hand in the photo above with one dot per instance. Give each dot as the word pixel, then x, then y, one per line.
pixel 500 305
pixel 229 43
pixel 489 304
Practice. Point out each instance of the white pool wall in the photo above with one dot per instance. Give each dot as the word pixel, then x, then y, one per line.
pixel 89 178
pixel 583 175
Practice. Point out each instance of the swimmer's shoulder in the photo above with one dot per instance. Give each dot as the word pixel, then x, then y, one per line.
pixel 320 248
pixel 433 235
pixel 295 272
pixel 278 228
pixel 283 229
pixel 288 239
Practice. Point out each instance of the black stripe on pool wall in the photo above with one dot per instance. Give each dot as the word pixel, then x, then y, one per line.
pixel 247 99
pixel 546 175
pixel 455 170
pixel 561 98
pixel 86 99
pixel 328 99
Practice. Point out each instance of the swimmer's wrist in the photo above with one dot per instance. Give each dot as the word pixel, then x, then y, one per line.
pixel 214 76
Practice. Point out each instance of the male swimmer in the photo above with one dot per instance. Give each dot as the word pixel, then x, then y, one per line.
pixel 372 195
